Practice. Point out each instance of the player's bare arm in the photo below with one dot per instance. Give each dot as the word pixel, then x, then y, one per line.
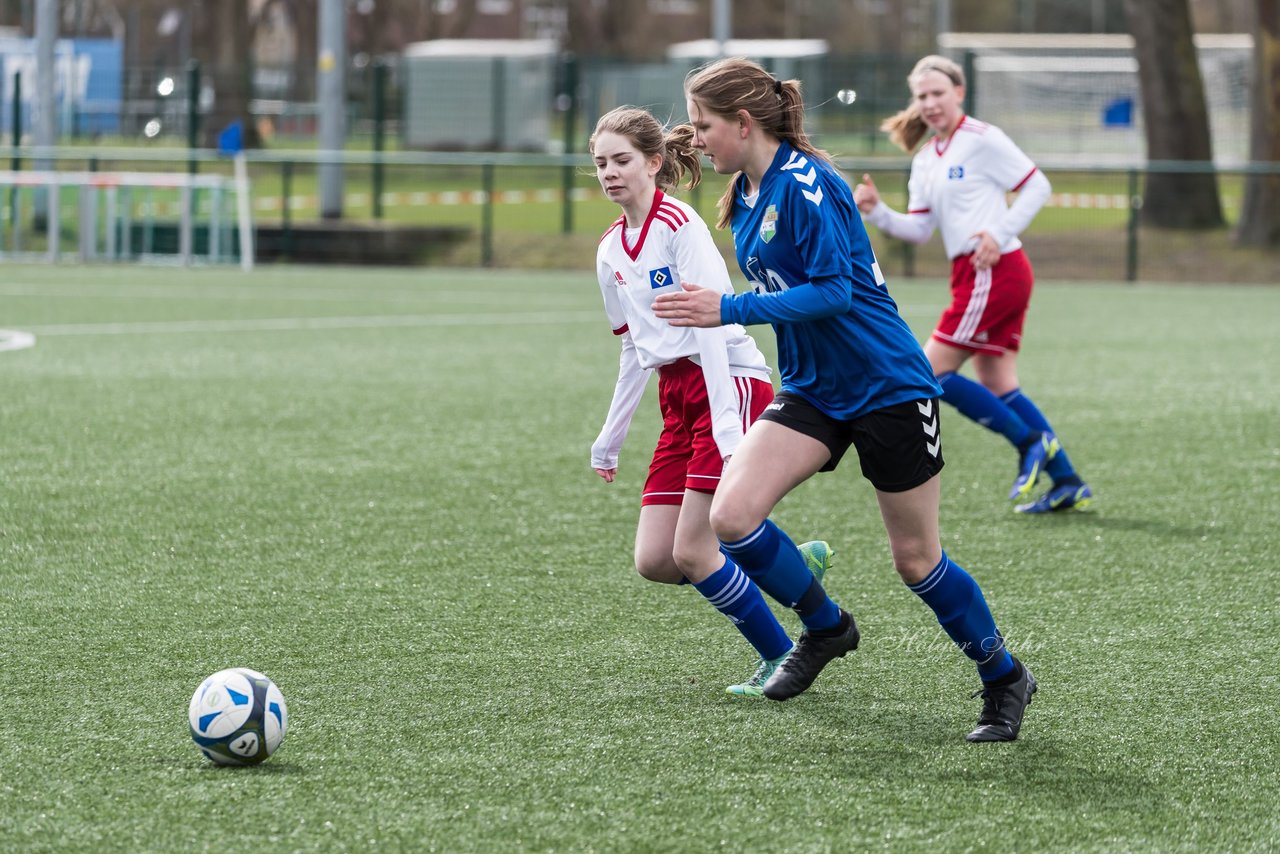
pixel 695 306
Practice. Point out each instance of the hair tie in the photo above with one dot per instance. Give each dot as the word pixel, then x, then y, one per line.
pixel 777 87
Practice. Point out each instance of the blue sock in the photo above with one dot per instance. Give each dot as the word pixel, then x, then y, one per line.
pixel 963 613
pixel 772 561
pixel 976 403
pixel 1059 467
pixel 738 598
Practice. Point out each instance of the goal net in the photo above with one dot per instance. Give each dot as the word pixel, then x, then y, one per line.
pixel 1078 96
pixel 147 217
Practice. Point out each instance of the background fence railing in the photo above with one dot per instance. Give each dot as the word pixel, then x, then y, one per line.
pixel 543 210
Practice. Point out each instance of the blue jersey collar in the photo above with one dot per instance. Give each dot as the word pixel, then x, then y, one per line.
pixel 780 158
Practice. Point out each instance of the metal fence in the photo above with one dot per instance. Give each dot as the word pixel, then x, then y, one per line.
pixel 544 210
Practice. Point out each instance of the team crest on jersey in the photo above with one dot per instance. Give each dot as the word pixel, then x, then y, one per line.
pixel 769 225
pixel 955 173
pixel 660 277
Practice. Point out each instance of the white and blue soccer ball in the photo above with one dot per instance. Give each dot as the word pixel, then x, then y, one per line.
pixel 238 717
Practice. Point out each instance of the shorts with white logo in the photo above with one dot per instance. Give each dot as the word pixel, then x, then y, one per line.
pixel 988 307
pixel 899 447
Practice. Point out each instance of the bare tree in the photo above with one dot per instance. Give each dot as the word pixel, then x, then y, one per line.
pixel 614 30
pixel 1176 118
pixel 1260 216
pixel 221 42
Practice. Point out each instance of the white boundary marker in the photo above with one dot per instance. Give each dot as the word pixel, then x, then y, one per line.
pixel 244 212
pixel 14 339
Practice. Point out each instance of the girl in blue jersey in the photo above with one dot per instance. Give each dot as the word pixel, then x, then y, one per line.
pixel 852 373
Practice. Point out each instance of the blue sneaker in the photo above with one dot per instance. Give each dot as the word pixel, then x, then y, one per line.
pixel 1031 466
pixel 1062 497
pixel 818 556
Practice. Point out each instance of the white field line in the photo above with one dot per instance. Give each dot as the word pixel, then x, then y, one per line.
pixel 12 339
pixel 252 292
pixel 292 324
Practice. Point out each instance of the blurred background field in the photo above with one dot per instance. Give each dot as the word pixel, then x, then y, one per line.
pixel 456 135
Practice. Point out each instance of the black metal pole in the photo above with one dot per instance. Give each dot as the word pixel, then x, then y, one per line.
pixel 570 129
pixel 379 122
pixel 286 188
pixel 486 227
pixel 16 162
pixel 193 114
pixel 1131 244
pixel 970 81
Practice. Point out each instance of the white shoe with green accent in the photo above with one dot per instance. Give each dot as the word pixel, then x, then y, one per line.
pixel 818 556
pixel 754 687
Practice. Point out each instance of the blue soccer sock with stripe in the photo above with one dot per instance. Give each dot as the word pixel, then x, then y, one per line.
pixel 1059 468
pixel 769 557
pixel 963 613
pixel 738 598
pixel 975 402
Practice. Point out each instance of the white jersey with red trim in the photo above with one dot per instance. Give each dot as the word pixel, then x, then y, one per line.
pixel 961 183
pixel 634 266
pixel 673 246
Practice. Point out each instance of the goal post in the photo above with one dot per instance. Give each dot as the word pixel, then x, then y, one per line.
pixel 1078 95
pixel 147 217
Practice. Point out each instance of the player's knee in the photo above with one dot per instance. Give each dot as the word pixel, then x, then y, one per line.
pixel 659 568
pixel 913 565
pixel 683 557
pixel 732 520
pixel 694 562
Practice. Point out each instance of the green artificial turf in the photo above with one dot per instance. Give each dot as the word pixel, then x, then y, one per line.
pixel 374 486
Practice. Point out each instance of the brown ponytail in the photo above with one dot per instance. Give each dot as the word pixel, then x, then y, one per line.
pixel 646 133
pixel 727 85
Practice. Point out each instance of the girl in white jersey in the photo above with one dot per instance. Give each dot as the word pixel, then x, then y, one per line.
pixel 712 382
pixel 958 183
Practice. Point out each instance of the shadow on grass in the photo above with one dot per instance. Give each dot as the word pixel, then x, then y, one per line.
pixel 1158 527
pixel 891 746
pixel 271 768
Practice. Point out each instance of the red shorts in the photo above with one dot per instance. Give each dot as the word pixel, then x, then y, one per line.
pixel 687 456
pixel 987 308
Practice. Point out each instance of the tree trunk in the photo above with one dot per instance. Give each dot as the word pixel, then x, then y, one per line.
pixel 1260 215
pixel 1174 112
pixel 222 43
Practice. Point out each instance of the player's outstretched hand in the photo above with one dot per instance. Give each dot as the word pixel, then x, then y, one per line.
pixel 866 196
pixel 694 306
pixel 607 474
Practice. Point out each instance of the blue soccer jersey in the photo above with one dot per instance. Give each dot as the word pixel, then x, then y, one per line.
pixel 841 343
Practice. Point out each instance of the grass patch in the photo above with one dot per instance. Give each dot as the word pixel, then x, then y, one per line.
pixel 373 486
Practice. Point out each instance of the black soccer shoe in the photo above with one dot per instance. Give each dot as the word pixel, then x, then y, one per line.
pixel 811 654
pixel 1003 707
